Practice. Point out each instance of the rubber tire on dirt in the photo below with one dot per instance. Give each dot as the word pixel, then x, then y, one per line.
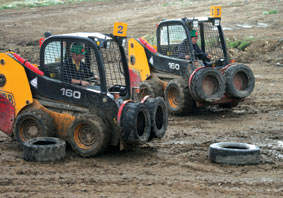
pixel 85 126
pixel 197 87
pixel 245 78
pixel 159 116
pixel 44 149
pixel 29 119
pixel 178 97
pixel 234 153
pixel 151 88
pixel 135 124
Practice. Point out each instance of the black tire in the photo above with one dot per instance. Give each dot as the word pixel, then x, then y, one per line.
pixel 44 149
pixel 159 116
pixel 207 85
pixel 234 153
pixel 151 88
pixel 135 124
pixel 88 135
pixel 33 123
pixel 178 97
pixel 240 81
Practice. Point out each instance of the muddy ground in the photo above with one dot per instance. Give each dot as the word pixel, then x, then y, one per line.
pixel 178 164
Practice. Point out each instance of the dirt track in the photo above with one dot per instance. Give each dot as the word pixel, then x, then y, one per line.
pixel 177 165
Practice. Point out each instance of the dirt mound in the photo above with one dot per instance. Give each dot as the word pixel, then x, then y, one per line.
pixel 268 51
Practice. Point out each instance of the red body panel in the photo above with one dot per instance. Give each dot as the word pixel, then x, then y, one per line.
pixel 7 115
pixel 134 78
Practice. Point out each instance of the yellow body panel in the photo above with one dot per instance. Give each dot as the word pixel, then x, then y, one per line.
pixel 140 63
pixel 17 88
pixel 215 11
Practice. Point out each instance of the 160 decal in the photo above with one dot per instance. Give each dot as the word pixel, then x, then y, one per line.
pixel 174 66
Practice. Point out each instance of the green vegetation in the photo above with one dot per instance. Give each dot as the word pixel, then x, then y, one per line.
pixel 151 38
pixel 38 3
pixel 240 44
pixel 270 12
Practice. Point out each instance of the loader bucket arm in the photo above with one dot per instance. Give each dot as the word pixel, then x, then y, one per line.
pixel 7 115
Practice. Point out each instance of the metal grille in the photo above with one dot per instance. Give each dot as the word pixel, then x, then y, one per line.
pixel 113 67
pixel 70 61
pixel 52 60
pixel 170 39
pixel 212 41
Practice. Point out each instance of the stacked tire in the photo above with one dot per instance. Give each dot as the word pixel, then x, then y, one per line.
pixel 141 122
pixel 135 124
pixel 240 81
pixel 207 85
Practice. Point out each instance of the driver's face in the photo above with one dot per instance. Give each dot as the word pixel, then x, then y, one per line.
pixel 78 57
pixel 194 40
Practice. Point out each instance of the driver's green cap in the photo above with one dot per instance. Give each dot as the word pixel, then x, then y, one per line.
pixel 78 48
pixel 193 33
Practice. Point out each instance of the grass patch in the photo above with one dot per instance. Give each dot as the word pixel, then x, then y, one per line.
pixel 270 12
pixel 38 3
pixel 240 44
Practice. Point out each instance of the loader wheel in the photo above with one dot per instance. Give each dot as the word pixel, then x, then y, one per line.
pixel 240 80
pixel 88 135
pixel 159 116
pixel 44 149
pixel 178 98
pixel 135 124
pixel 207 85
pixel 33 123
pixel 151 88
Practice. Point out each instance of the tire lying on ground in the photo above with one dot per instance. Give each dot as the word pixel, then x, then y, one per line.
pixel 135 124
pixel 151 88
pixel 88 135
pixel 159 116
pixel 234 153
pixel 178 98
pixel 207 85
pixel 44 149
pixel 33 123
pixel 240 80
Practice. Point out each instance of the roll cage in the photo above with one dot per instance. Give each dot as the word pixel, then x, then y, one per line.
pixel 104 55
pixel 171 33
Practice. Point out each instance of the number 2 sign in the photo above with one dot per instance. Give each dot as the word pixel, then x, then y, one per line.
pixel 120 29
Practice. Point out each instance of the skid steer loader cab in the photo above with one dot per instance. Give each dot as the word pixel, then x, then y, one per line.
pixel 171 33
pixel 101 65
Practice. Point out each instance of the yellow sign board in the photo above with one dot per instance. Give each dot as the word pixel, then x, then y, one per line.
pixel 120 29
pixel 215 11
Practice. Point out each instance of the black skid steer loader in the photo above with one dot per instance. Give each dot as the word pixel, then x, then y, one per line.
pixel 87 102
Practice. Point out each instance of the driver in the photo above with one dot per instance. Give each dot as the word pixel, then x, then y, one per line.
pixel 183 49
pixel 75 70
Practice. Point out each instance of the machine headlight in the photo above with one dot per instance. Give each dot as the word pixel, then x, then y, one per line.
pixel 124 42
pixel 195 23
pixel 108 44
pixel 216 22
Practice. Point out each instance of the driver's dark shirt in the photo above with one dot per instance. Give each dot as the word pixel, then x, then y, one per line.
pixel 70 72
pixel 183 50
